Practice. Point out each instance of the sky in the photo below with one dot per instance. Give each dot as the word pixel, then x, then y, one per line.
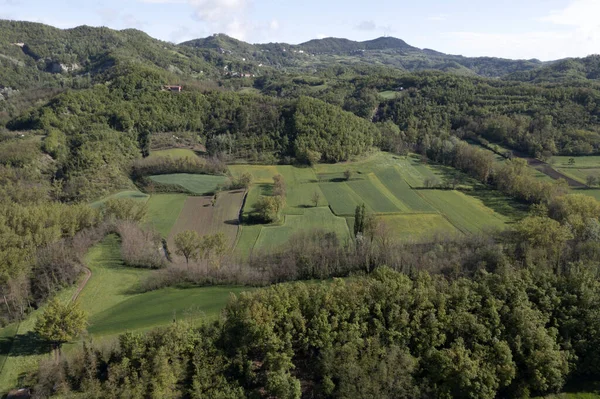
pixel 518 29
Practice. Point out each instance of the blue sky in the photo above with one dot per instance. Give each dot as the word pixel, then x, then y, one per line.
pixel 543 29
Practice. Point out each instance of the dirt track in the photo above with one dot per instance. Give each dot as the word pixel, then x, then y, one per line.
pixel 553 173
pixel 88 274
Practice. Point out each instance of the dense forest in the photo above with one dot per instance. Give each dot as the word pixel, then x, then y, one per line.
pixel 510 313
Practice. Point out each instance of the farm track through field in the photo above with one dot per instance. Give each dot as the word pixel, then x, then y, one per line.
pixel 553 173
pixel 549 170
pixel 88 274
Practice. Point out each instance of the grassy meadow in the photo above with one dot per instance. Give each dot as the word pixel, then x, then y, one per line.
pixel 114 305
pixel 175 153
pixel 197 184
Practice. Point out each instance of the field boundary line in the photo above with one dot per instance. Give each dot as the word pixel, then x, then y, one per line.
pixel 240 218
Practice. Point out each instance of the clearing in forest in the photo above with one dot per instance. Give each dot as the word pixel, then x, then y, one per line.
pixel 174 153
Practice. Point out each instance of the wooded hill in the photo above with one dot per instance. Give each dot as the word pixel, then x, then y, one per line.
pixel 37 55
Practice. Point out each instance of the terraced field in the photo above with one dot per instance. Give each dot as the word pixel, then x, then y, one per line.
pixel 341 198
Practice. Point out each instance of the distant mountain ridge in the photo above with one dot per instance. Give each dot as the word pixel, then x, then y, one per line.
pixel 38 55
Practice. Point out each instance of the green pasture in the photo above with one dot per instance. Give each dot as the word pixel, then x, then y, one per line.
pixel 393 181
pixel 321 218
pixel 260 173
pixel 342 199
pixel 197 184
pixel 114 305
pixel 161 307
pixel 376 196
pixel 466 213
pixel 247 239
pixel 131 194
pixel 163 211
pixel 584 161
pixel 417 226
pixel 389 94
pixel 174 153
pixel 580 174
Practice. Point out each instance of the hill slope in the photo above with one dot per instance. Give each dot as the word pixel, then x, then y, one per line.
pixel 569 69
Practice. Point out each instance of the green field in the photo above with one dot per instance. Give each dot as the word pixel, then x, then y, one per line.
pixel 466 213
pixel 174 153
pixel 386 184
pixel 197 184
pixel 393 181
pixel 418 226
pixel 580 174
pixel 271 237
pixel 375 197
pixel 342 199
pixel 260 173
pixel 389 94
pixel 585 161
pixel 113 305
pixel 131 194
pixel 163 211
pixel 247 240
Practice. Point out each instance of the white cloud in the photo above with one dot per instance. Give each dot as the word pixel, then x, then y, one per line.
pixel 164 1
pixel 438 18
pixel 367 25
pixel 274 25
pixel 579 13
pixel 542 45
pixel 573 31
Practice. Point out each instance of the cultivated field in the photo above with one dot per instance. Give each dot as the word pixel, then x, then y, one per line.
pixel 390 186
pixel 466 213
pixel 418 226
pixel 175 153
pixel 321 218
pixel 197 184
pixel 163 211
pixel 199 215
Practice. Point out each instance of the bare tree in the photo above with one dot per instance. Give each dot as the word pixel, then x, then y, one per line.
pixel 316 197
